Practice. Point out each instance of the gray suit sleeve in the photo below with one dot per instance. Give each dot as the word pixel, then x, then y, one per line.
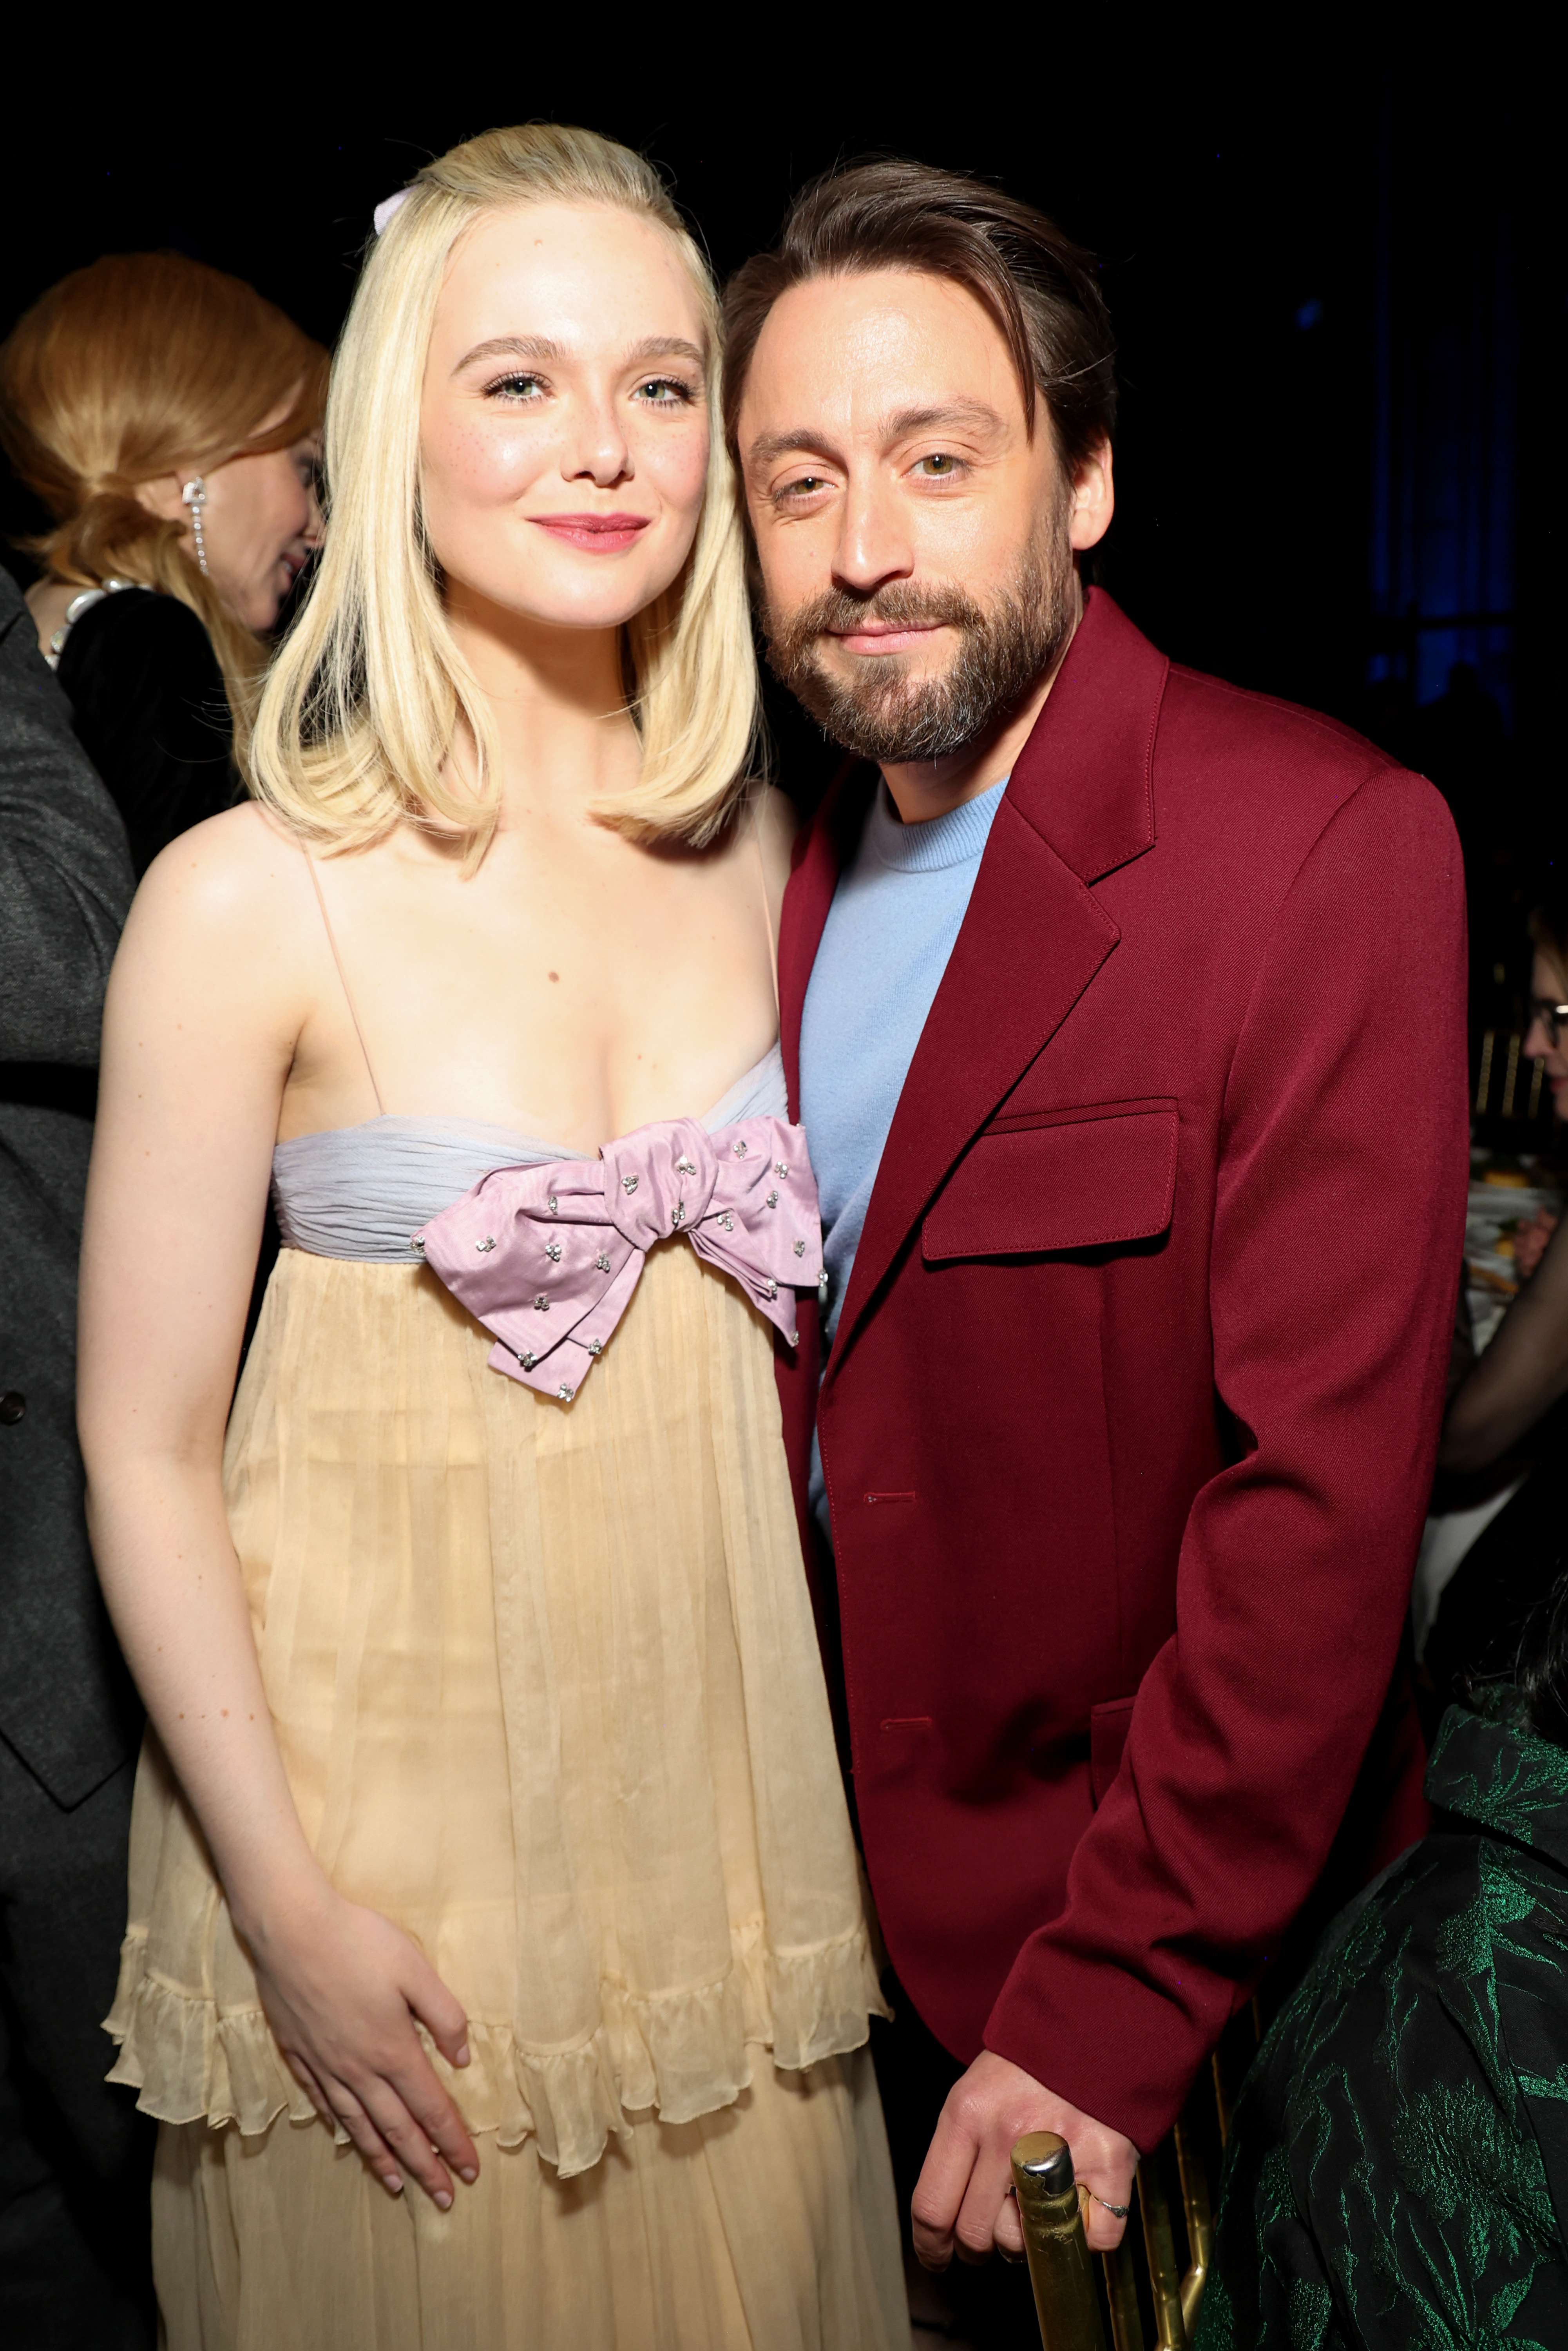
pixel 65 881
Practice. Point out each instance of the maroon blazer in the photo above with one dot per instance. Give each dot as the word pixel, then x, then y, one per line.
pixel 1130 1421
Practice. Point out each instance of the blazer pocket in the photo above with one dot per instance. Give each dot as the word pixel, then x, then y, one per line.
pixel 1059 1179
pixel 1108 1728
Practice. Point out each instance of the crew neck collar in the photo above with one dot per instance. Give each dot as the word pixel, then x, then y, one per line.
pixel 956 837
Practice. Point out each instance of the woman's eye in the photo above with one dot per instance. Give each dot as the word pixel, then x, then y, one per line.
pixel 664 392
pixel 514 387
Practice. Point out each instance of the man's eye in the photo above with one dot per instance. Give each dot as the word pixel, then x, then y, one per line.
pixel 804 486
pixel 940 467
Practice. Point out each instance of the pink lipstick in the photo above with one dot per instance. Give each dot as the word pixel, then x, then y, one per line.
pixel 596 534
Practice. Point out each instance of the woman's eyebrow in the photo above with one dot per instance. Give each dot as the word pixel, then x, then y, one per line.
pixel 511 347
pixel 541 351
pixel 665 347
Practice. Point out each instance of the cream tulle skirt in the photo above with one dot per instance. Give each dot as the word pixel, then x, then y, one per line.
pixel 547 1690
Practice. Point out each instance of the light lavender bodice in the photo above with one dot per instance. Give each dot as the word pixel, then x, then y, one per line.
pixel 362 1191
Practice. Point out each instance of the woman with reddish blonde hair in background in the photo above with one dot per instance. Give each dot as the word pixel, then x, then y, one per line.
pixel 168 418
pixel 497 1965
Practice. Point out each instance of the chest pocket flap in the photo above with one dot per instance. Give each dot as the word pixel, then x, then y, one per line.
pixel 1059 1179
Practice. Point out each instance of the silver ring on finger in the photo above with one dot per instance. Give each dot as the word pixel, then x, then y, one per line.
pixel 1118 2211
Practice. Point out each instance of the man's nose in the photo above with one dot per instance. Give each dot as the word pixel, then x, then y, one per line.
pixel 873 545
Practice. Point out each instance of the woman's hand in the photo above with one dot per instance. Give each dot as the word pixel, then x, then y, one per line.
pixel 1530 1241
pixel 342 1986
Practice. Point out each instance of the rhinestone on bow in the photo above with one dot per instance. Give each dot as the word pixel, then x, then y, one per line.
pixel 773 1199
pixel 799 1249
pixel 551 1205
pixel 487 1244
pixel 552 1251
pixel 596 1346
pixel 781 1167
pixel 565 1393
pixel 541 1304
pixel 629 1184
pixel 601 1262
pixel 685 1166
pixel 740 1147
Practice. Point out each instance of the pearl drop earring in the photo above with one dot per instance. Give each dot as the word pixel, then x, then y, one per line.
pixel 194 495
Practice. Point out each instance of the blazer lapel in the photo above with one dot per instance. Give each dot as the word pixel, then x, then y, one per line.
pixel 1079 802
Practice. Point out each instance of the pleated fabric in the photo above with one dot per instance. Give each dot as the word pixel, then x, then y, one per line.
pixel 769 2223
pixel 546 1685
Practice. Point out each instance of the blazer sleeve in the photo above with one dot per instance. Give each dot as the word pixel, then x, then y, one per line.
pixel 65 871
pixel 1337 1245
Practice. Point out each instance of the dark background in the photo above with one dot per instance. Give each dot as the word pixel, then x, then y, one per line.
pixel 1335 271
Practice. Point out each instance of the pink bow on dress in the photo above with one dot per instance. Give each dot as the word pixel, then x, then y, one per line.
pixel 547 1257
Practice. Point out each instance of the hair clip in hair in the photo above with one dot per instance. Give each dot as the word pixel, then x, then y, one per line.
pixel 194 495
pixel 387 207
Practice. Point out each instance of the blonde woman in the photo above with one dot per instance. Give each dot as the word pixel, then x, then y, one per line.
pixel 496 1963
pixel 169 418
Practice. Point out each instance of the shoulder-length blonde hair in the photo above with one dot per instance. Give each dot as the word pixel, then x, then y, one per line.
pixel 134 367
pixel 369 693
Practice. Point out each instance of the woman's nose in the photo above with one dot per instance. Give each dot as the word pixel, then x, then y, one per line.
pixel 598 450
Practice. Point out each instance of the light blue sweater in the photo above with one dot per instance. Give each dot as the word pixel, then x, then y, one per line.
pixel 890 930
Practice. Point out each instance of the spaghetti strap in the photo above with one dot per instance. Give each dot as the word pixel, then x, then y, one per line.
pixel 767 908
pixel 343 979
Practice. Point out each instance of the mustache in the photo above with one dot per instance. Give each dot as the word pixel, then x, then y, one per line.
pixel 899 604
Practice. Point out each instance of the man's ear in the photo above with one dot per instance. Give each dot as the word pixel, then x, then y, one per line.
pixel 1093 500
pixel 162 496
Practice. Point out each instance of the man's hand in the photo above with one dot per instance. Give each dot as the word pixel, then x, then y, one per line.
pixel 961 2203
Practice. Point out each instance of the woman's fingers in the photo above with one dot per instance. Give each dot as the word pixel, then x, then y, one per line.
pixel 409 2143
pixel 371 2142
pixel 346 1992
pixel 444 2019
pixel 439 2010
pixel 312 2087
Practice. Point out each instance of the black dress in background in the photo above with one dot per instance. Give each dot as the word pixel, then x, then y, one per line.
pixel 149 707
pixel 147 698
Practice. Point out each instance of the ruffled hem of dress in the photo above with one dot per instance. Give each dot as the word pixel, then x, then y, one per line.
pixel 680 2054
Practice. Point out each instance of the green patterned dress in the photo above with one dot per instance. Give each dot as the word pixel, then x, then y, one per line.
pixel 1398 2166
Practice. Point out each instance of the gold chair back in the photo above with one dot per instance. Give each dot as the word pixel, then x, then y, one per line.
pixel 1073 2310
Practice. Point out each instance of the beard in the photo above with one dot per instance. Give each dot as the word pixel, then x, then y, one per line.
pixel 881 712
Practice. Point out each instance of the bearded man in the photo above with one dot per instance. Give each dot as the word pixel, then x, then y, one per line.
pixel 1124 1012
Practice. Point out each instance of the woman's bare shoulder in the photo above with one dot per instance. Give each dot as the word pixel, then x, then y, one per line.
pixel 226 914
pixel 234 869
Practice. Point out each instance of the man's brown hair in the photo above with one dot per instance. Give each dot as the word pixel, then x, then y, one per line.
pixel 1040 290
